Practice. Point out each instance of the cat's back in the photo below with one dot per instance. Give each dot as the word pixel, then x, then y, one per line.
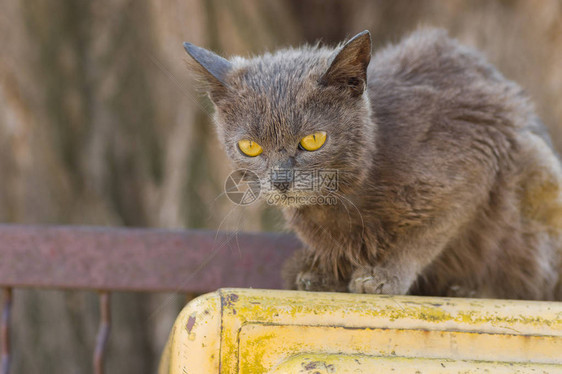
pixel 431 89
pixel 431 74
pixel 429 57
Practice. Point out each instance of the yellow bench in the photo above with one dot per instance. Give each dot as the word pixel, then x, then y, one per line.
pixel 262 331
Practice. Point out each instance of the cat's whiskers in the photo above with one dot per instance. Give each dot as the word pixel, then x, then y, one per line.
pixel 218 197
pixel 223 193
pixel 345 207
pixel 235 232
pixel 358 211
pixel 214 251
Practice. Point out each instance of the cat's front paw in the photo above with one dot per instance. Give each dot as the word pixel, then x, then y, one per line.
pixel 311 281
pixel 308 281
pixel 377 280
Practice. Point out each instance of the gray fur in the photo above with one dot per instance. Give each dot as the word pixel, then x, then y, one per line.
pixel 448 183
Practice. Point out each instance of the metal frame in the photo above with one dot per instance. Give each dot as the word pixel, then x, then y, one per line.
pixel 147 260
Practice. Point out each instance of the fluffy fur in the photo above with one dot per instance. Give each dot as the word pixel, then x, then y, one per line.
pixel 448 184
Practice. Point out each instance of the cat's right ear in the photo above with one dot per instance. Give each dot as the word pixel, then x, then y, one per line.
pixel 212 70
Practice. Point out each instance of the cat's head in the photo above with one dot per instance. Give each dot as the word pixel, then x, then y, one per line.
pixel 294 113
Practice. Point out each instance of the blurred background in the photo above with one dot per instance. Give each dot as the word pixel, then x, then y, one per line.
pixel 99 126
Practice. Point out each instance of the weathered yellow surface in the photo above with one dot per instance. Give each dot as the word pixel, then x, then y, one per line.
pixel 262 331
pixel 338 363
pixel 195 341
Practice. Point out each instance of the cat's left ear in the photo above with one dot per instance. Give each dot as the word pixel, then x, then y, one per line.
pixel 348 69
pixel 212 68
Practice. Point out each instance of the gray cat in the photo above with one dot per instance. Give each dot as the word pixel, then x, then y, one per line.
pixel 447 184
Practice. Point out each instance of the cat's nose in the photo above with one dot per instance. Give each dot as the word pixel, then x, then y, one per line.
pixel 282 179
pixel 282 175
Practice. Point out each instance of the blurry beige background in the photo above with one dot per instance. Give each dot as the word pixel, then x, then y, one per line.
pixel 100 126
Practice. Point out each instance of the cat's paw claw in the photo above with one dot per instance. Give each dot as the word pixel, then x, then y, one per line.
pixel 375 281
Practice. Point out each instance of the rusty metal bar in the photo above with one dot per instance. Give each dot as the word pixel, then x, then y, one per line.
pixel 150 260
pixel 5 334
pixel 103 332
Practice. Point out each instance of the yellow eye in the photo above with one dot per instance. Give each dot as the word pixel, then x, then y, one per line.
pixel 250 148
pixel 314 141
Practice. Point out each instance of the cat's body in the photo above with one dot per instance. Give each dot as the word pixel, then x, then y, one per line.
pixel 447 182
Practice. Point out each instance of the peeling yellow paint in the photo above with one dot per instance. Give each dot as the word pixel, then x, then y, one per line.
pixel 195 339
pixel 262 331
pixel 335 363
